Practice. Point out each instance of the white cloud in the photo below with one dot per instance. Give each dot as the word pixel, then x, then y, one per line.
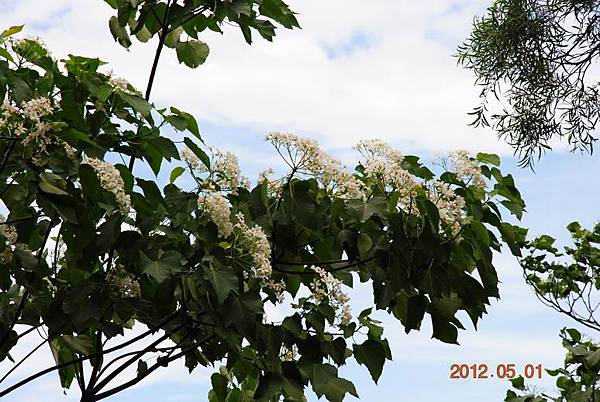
pixel 404 87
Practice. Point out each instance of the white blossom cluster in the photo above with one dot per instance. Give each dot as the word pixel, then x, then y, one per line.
pixel 288 354
pixel 449 204
pixel 256 244
pixel 27 119
pixel 111 181
pixel 10 233
pixel 122 283
pixel 191 159
pixel 224 172
pixel 217 206
pixel 465 168
pixel 304 156
pixel 328 288
pixel 384 163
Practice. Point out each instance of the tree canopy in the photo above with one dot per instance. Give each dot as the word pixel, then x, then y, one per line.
pixel 535 61
pixel 92 247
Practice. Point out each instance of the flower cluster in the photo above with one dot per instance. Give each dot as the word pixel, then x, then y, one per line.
pixel 465 168
pixel 304 156
pixel 217 206
pixel 326 288
pixel 27 119
pixel 111 181
pixel 122 283
pixel 191 159
pixel 449 204
pixel 256 244
pixel 225 170
pixel 384 164
pixel 9 232
pixel 224 173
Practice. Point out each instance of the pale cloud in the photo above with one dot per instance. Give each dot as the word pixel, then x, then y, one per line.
pixel 393 75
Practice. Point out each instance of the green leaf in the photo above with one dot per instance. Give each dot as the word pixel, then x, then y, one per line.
pixel 492 159
pixel 364 244
pixel 197 151
pixel 11 31
pixel 175 173
pixel 81 344
pixel 192 53
pixel 223 280
pixel 118 32
pixel 138 103
pixel 325 381
pixel 167 264
pixel 371 354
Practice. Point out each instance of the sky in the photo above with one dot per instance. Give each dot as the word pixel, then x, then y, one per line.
pixel 352 72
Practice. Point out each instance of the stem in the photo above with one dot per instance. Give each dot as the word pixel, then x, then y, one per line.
pixel 161 42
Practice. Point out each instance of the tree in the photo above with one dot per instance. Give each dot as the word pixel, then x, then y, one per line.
pixel 536 58
pixel 90 247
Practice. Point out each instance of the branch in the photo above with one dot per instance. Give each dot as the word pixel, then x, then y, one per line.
pixel 335 269
pixel 159 363
pixel 87 357
pixel 161 41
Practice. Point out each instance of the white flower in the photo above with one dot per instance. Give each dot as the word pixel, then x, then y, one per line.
pixel 465 168
pixel 449 204
pixel 9 232
pixel 226 170
pixel 123 283
pixel 218 208
pixel 255 242
pixel 191 159
pixel 111 181
pixel 326 287
pixel 305 157
pixel 37 108
pixel 378 150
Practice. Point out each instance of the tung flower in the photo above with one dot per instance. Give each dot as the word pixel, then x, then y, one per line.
pixel 111 181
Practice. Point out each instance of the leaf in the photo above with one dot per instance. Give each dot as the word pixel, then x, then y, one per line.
pixel 192 53
pixel 138 103
pixel 371 354
pixel 175 173
pixel 51 184
pixel 492 159
pixel 224 281
pixel 197 151
pixel 81 344
pixel 363 210
pixel 118 32
pixel 11 31
pixel 191 123
pixel 167 264
pixel 364 244
pixel 325 381
pixel 142 367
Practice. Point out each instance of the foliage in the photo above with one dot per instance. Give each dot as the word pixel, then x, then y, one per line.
pixel 178 25
pixel 536 58
pixel 577 381
pixel 91 248
pixel 568 282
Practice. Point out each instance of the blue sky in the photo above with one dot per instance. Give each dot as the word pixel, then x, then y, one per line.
pixel 352 72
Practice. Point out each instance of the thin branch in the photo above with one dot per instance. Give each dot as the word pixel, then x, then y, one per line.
pixel 87 357
pixel 159 363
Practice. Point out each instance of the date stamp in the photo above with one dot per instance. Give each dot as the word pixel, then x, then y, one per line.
pixel 482 371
